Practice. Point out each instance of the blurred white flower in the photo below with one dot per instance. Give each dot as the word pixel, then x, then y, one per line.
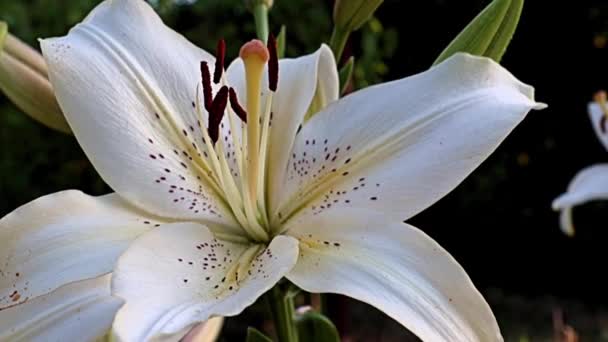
pixel 591 183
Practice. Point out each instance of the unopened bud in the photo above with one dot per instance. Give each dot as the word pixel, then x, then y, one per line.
pixel 24 80
pixel 350 15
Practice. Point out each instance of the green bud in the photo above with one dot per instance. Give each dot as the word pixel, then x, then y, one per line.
pixel 24 80
pixel 350 15
pixel 489 33
pixel 3 32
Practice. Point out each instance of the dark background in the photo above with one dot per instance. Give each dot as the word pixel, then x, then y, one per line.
pixel 498 223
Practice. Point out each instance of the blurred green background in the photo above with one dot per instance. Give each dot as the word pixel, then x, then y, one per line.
pixel 498 223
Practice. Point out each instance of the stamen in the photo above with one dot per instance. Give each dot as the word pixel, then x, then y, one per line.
pixel 219 61
pixel 273 64
pixel 206 80
pixel 236 107
pixel 600 98
pixel 216 113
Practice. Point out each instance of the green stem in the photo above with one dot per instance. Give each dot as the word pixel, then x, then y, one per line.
pixel 338 41
pixel 260 13
pixel 283 313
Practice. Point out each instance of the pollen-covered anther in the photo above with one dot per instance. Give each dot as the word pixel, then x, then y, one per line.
pixel 219 61
pixel 273 64
pixel 236 106
pixel 206 81
pixel 216 113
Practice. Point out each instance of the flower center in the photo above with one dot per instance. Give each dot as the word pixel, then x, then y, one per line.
pixel 244 191
pixel 600 98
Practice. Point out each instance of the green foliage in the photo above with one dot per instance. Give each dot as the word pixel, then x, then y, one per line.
pixel 489 33
pixel 346 73
pixel 314 327
pixel 254 335
pixel 378 45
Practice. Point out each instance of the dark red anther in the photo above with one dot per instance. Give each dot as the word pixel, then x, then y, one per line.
pixel 603 124
pixel 207 93
pixel 219 61
pixel 216 113
pixel 273 63
pixel 236 107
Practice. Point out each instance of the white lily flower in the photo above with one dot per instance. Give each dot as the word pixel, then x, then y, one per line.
pixel 591 183
pixel 319 201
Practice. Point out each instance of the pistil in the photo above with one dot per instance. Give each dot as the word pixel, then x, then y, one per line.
pixel 254 55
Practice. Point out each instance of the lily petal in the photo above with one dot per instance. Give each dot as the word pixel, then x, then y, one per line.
pixel 205 332
pixel 401 146
pixel 80 311
pixel 178 275
pixel 599 122
pixel 61 238
pixel 127 85
pixel 589 184
pixel 301 80
pixel 394 267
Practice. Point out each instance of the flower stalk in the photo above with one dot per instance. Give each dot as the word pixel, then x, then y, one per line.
pixel 260 8
pixel 338 40
pixel 283 313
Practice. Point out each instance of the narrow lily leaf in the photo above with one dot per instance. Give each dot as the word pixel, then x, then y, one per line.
pixel 254 335
pixel 489 33
pixel 281 41
pixel 3 31
pixel 313 326
pixel 346 73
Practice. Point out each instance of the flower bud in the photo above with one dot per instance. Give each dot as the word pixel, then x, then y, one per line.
pixel 350 15
pixel 24 80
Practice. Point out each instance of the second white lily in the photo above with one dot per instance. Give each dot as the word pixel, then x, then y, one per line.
pixel 226 208
pixel 590 183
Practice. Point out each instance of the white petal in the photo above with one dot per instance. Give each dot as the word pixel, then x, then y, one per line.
pixel 80 311
pixel 394 267
pixel 126 84
pixel 596 114
pixel 401 146
pixel 205 332
pixel 589 184
pixel 299 80
pixel 179 274
pixel 61 238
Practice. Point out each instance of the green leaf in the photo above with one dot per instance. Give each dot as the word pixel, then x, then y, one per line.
pixel 281 41
pixel 346 73
pixel 489 33
pixel 254 335
pixel 3 32
pixel 313 326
